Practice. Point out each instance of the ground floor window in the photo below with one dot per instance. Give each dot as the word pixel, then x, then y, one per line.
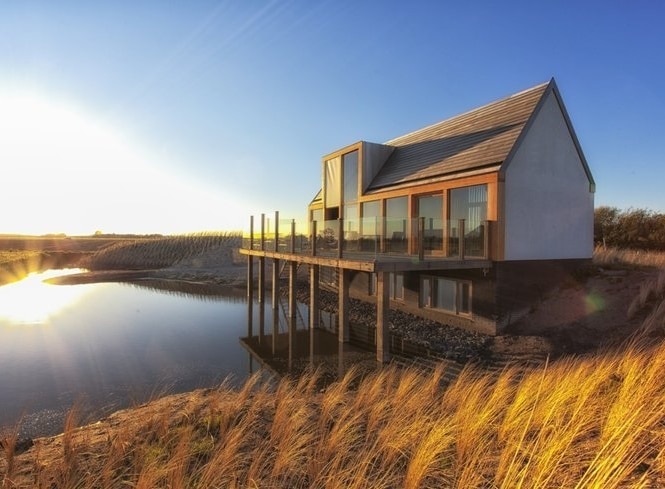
pixel 395 285
pixel 447 294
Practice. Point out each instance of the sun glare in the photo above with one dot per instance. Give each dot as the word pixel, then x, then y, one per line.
pixel 33 301
pixel 67 170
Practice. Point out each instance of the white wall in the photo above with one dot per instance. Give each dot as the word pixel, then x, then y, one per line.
pixel 548 203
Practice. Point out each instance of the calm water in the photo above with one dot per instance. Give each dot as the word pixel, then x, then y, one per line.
pixel 111 345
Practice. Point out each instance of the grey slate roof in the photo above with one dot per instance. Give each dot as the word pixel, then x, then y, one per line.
pixel 475 140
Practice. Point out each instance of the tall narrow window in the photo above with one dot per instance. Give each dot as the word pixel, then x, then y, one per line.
pixel 332 182
pixel 350 162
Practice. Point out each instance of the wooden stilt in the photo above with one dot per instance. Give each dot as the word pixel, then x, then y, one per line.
pixel 343 305
pixel 314 272
pixel 313 307
pixel 275 284
pixel 382 307
pixel 293 268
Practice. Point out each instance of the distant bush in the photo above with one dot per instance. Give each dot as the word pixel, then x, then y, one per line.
pixel 638 229
pixel 152 253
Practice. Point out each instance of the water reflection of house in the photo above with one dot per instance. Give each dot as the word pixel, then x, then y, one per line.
pixel 466 221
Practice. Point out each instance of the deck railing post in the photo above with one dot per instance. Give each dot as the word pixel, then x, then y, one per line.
pixel 486 240
pixel 251 232
pixel 313 238
pixel 340 237
pixel 460 226
pixel 293 235
pixel 276 230
pixel 263 232
pixel 421 238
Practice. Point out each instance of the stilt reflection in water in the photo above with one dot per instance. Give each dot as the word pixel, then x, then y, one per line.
pixel 293 348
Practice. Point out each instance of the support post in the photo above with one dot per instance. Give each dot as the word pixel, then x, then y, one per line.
pixel 343 306
pixel 313 238
pixel 262 279
pixel 275 331
pixel 293 235
pixel 276 230
pixel 250 319
pixel 275 284
pixel 263 232
pixel 250 279
pixel 382 307
pixel 314 296
pixel 313 306
pixel 293 268
pixel 460 238
pixel 251 232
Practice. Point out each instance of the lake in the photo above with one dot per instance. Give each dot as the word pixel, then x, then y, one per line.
pixel 114 345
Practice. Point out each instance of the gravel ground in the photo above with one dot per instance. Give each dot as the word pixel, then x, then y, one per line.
pixel 446 341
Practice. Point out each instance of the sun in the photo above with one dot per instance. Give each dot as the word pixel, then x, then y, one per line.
pixel 70 170
pixel 32 301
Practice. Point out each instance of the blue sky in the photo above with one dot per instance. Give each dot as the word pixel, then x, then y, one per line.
pixel 183 116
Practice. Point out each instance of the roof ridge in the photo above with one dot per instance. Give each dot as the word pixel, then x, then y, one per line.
pixel 468 112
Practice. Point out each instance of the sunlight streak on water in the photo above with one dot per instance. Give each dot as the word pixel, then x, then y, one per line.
pixel 31 301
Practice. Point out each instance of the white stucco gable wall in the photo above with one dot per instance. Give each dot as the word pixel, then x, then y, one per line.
pixel 548 201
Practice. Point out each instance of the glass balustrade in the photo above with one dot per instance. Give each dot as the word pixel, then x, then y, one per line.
pixel 372 236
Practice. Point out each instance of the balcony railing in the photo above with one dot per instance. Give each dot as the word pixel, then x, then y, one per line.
pixel 367 237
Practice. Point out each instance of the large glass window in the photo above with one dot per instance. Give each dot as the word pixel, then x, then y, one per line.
pixel 370 225
pixel 350 162
pixel 430 207
pixel 396 223
pixel 470 204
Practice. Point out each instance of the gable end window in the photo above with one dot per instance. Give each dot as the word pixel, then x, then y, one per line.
pixel 449 295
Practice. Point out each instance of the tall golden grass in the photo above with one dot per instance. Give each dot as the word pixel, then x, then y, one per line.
pixel 580 422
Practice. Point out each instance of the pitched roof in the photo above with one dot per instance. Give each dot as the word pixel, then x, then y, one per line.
pixel 479 139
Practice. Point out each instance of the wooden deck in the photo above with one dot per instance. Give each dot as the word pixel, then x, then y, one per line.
pixel 370 262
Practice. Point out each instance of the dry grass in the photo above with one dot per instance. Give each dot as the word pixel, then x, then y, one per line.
pixel 580 422
pixel 155 253
pixel 608 256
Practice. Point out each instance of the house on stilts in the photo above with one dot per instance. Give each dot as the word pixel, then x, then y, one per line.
pixel 467 222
